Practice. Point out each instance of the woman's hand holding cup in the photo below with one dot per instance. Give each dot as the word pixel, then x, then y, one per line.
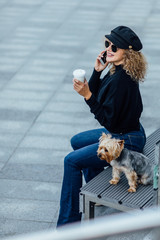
pixel 80 83
pixel 82 88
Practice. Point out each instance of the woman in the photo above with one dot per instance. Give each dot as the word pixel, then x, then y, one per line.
pixel 116 103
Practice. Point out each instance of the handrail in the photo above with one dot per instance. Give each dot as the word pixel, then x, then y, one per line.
pixel 100 227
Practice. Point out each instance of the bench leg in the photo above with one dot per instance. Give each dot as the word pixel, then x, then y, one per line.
pixel 88 208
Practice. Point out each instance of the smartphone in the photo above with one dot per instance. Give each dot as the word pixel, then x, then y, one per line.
pixel 103 58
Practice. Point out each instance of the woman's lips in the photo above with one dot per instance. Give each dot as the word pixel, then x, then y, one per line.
pixel 109 54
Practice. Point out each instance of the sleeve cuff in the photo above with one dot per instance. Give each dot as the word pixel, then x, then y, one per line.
pixel 92 101
pixel 97 74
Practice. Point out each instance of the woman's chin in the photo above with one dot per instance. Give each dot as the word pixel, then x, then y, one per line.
pixel 110 60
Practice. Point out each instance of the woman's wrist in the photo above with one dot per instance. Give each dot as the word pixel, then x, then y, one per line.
pixel 98 70
pixel 88 96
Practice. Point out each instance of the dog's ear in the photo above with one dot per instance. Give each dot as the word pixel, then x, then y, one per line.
pixel 104 136
pixel 121 144
pixel 109 136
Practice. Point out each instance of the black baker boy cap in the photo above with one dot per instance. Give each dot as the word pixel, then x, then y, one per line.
pixel 125 38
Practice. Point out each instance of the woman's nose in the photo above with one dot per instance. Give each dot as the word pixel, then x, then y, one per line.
pixel 109 47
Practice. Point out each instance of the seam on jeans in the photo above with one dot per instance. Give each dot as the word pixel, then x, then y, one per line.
pixel 130 140
pixel 135 136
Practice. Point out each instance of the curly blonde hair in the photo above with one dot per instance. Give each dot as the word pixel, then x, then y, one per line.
pixel 135 65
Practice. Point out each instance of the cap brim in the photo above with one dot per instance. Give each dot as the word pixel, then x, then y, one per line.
pixel 114 41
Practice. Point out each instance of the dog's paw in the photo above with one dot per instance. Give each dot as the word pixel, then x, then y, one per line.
pixel 139 181
pixel 132 189
pixel 113 181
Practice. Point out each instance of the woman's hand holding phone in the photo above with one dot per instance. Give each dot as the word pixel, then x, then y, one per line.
pixel 101 62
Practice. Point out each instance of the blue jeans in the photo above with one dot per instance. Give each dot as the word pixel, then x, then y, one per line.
pixel 84 160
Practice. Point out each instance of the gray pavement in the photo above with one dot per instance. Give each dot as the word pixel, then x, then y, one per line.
pixel 41 43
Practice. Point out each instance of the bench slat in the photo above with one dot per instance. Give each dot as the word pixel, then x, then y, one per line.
pixel 143 194
pixel 151 142
pixel 97 186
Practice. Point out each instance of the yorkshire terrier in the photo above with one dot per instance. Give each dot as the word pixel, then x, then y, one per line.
pixel 136 166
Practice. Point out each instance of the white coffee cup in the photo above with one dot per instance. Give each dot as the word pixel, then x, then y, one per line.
pixel 79 74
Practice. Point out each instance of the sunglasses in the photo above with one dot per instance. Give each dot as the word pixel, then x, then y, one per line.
pixel 113 47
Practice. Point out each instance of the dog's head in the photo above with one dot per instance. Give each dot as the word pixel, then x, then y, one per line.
pixel 109 148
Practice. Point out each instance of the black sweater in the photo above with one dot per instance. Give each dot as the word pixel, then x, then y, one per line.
pixel 116 101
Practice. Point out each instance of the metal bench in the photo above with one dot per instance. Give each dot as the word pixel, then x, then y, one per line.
pixel 99 191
